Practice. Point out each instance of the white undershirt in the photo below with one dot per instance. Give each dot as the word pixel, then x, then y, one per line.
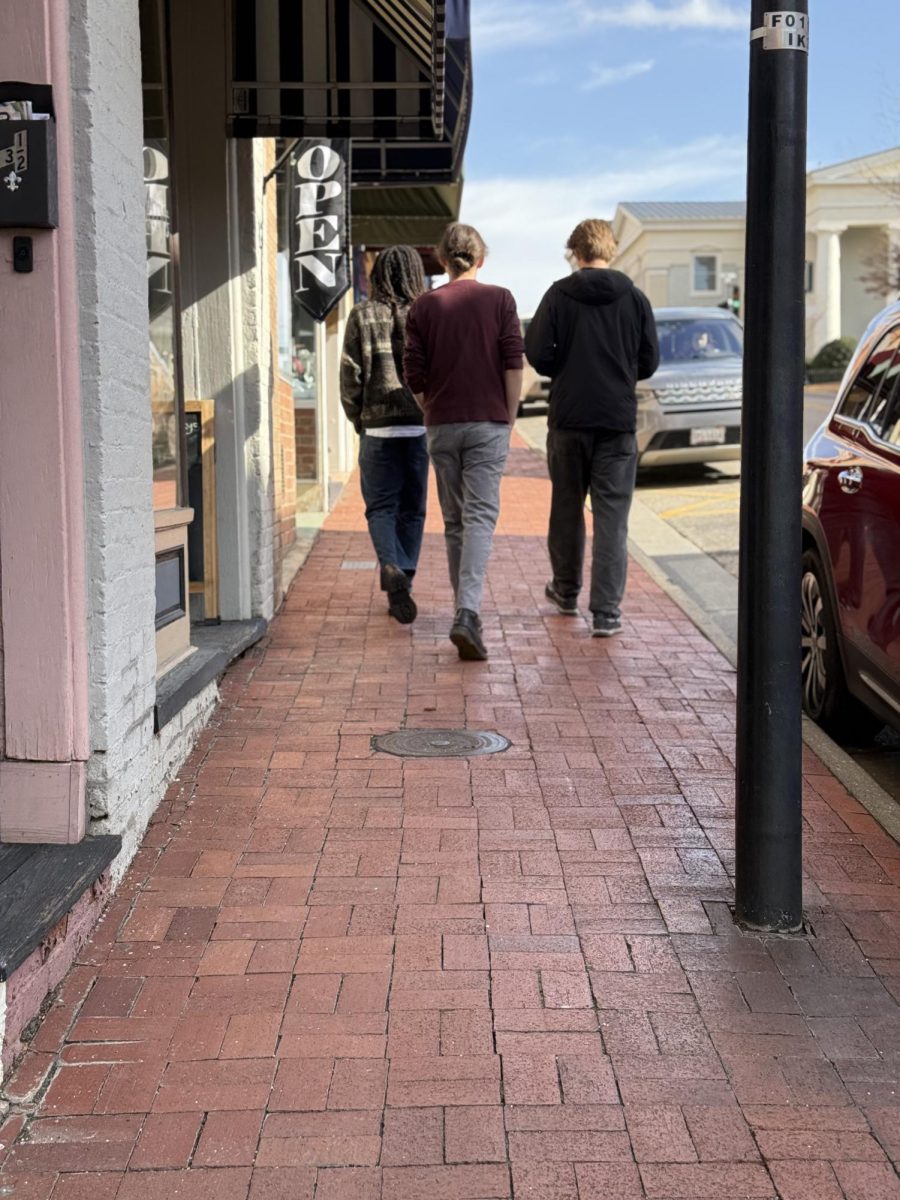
pixel 397 431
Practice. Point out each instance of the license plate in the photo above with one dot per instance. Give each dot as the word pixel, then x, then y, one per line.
pixel 708 435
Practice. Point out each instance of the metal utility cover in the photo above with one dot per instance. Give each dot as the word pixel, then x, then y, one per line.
pixel 440 743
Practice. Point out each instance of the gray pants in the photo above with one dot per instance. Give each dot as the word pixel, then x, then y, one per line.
pixel 468 464
pixel 604 464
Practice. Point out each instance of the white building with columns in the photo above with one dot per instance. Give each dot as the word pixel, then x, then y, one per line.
pixel 692 253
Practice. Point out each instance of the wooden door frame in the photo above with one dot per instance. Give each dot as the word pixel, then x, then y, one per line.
pixel 209 588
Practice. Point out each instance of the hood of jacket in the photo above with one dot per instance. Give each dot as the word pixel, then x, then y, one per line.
pixel 595 285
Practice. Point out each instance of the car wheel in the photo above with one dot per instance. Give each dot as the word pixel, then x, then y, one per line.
pixel 826 698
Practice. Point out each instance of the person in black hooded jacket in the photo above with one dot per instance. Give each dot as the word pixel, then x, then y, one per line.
pixel 594 336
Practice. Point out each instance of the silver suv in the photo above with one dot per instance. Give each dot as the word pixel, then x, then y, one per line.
pixel 690 411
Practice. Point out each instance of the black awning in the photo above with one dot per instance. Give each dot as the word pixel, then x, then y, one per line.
pixel 416 216
pixel 392 75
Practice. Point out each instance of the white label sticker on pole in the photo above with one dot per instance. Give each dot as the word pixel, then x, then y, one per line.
pixel 784 31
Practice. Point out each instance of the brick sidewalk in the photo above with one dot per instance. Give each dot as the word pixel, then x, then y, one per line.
pixel 335 974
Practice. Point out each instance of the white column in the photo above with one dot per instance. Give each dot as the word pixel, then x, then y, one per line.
pixel 828 286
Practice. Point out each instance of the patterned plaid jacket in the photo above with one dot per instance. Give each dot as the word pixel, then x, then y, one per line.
pixel 372 390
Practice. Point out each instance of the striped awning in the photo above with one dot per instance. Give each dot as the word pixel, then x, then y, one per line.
pixel 412 21
pixel 394 76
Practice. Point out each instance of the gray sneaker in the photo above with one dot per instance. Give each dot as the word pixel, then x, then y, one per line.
pixel 568 608
pixel 606 626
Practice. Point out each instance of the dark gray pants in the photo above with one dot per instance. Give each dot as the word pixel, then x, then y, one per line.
pixel 604 464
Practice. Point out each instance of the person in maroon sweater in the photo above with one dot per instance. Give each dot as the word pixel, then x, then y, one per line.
pixel 463 363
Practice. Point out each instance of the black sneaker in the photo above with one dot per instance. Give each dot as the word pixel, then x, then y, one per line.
pixel 401 605
pixel 568 608
pixel 606 626
pixel 466 636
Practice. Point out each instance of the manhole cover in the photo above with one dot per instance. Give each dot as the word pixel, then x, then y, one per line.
pixel 439 743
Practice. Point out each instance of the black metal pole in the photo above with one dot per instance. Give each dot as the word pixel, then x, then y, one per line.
pixel 769 732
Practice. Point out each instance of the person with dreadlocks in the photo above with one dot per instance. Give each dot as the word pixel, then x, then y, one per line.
pixel 393 457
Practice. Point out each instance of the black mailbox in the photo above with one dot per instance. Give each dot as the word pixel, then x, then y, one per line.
pixel 28 188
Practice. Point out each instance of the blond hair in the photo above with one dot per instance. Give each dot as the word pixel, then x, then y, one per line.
pixel 592 240
pixel 461 248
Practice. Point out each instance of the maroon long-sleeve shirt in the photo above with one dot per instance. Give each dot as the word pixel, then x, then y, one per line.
pixel 460 339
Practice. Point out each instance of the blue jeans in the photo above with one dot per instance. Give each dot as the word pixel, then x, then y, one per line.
pixel 394 479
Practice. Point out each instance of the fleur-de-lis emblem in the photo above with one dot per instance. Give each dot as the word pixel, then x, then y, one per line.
pixel 12 180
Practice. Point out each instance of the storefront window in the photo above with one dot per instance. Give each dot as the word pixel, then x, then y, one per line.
pixel 303 365
pixel 298 341
pixel 296 328
pixel 164 382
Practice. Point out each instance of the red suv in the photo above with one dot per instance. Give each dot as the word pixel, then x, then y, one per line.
pixel 851 545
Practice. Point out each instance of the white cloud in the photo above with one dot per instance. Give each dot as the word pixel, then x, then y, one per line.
pixel 686 14
pixel 498 24
pixel 502 24
pixel 526 221
pixel 602 77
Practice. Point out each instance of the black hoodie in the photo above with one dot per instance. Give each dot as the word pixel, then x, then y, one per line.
pixel 595 336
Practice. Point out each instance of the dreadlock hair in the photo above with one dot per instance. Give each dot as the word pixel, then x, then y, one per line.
pixel 397 280
pixel 398 277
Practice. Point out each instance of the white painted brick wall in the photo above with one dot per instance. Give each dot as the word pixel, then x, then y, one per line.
pixel 260 469
pixel 130 764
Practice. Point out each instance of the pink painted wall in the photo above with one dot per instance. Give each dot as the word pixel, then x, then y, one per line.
pixel 42 548
pixel 2 697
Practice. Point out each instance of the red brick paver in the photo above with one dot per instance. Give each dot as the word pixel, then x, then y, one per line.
pixel 334 974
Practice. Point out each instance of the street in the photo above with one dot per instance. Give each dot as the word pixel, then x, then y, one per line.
pixel 686 520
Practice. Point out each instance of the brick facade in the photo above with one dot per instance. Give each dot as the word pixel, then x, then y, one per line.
pixel 130 763
pixel 307 444
pixel 112 282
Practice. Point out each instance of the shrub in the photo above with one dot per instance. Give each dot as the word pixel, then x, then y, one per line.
pixel 829 365
pixel 834 356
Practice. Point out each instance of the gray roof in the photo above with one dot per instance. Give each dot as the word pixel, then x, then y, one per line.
pixel 687 210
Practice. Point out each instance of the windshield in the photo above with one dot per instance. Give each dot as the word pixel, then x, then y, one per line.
pixel 695 338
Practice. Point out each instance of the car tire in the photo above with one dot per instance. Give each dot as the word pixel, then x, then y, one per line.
pixel 826 697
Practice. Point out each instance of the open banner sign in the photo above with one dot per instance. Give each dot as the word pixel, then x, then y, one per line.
pixel 319 188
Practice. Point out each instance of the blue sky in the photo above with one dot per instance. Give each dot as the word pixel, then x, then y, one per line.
pixel 582 103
